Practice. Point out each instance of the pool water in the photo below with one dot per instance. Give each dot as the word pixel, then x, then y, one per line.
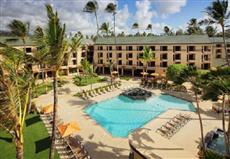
pixel 121 115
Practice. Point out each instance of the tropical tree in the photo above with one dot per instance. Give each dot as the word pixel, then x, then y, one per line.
pixel 149 27
pixel 190 74
pixel 174 71
pixel 105 29
pixel 148 55
pixel 167 30
pixel 194 27
pixel 179 32
pixel 86 67
pixel 54 36
pixel 218 13
pixel 15 85
pixel 20 29
pixel 135 26
pixel 92 7
pixel 112 8
pixel 210 31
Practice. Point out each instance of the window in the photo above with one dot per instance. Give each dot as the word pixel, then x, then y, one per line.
pixel 218 45
pixel 177 48
pixel 110 48
pixel 139 63
pixel 83 54
pixel 152 48
pixel 206 58
pixel 100 61
pixel 206 48
pixel 177 57
pixel 74 62
pixel 119 55
pixel 191 64
pixel 164 56
pixel 110 55
pixel 119 48
pixel 100 54
pixel 206 66
pixel 228 45
pixel 119 62
pixel 28 49
pixel 129 55
pixel 164 64
pixel 140 48
pixel 74 55
pixel 140 55
pixel 218 51
pixel 191 48
pixel 100 47
pixel 191 57
pixel 218 56
pixel 129 48
pixel 130 63
pixel 164 48
pixel 151 64
pixel 228 50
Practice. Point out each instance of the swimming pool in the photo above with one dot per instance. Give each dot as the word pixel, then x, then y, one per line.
pixel 120 115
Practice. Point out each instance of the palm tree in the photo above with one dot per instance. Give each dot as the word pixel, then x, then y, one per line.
pixel 218 13
pixel 105 28
pixel 92 7
pixel 54 36
pixel 135 26
pixel 210 31
pixel 148 55
pixel 194 27
pixel 166 30
pixel 20 29
pixel 191 75
pixel 15 85
pixel 149 27
pixel 112 8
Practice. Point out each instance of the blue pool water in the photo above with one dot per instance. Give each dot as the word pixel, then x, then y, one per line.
pixel 120 115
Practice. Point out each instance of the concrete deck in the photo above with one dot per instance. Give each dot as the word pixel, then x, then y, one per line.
pixel 101 145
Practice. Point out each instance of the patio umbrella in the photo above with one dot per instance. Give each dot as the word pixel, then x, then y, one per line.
pixel 68 129
pixel 154 74
pixel 114 72
pixel 47 109
pixel 144 73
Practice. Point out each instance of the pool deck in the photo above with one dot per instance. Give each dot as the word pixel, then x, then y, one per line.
pixel 101 145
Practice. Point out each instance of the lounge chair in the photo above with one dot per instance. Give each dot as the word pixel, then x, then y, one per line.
pixel 163 132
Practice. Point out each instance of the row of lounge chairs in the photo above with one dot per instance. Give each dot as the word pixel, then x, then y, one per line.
pixel 173 126
pixel 64 146
pixel 87 94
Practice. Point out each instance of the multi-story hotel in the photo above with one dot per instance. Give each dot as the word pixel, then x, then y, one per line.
pixel 198 50
pixel 70 65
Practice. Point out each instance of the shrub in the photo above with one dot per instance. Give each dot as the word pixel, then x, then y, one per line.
pixel 174 71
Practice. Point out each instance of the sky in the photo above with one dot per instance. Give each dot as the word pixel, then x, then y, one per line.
pixel 159 13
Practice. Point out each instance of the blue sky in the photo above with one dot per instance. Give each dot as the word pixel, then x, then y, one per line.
pixel 173 13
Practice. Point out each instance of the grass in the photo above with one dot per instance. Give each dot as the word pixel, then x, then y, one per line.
pixel 37 141
pixel 87 80
pixel 41 89
pixel 127 78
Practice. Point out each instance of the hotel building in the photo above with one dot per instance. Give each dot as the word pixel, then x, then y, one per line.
pixel 198 50
pixel 70 65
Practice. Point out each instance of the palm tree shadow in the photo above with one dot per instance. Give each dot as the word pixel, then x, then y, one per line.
pixel 42 144
pixel 7 139
pixel 32 120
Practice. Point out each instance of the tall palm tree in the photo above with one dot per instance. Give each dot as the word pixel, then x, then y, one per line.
pixel 191 75
pixel 20 29
pixel 218 13
pixel 135 26
pixel 54 36
pixel 148 55
pixel 112 8
pixel 194 27
pixel 15 85
pixel 210 31
pixel 92 7
pixel 166 30
pixel 105 28
pixel 149 27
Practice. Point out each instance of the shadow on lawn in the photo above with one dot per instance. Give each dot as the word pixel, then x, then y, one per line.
pixel 7 139
pixel 42 144
pixel 32 120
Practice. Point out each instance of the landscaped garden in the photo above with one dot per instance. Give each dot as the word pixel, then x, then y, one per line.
pixel 87 80
pixel 36 141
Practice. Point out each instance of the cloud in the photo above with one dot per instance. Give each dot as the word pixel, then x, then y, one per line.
pixel 167 7
pixel 144 14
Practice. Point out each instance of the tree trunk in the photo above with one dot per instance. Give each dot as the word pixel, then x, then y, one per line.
pixel 224 129
pixel 201 125
pixel 52 147
pixel 97 23
pixel 19 149
pixel 225 47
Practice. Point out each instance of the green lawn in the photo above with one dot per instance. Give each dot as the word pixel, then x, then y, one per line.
pixel 41 89
pixel 36 145
pixel 87 80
